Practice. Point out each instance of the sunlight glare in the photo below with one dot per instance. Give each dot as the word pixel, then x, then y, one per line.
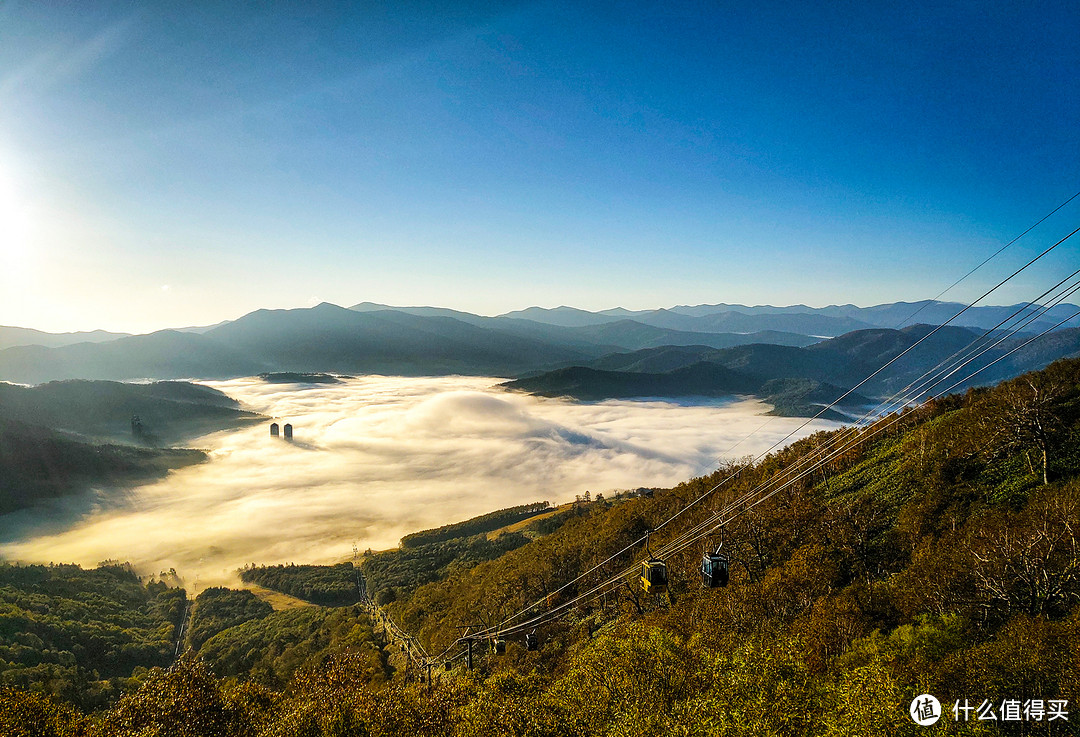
pixel 14 223
pixel 15 227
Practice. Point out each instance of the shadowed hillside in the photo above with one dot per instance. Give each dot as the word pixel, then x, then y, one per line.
pixel 170 411
pixel 829 367
pixel 63 438
pixel 38 465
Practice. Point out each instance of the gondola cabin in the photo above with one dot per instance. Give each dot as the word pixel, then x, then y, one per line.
pixel 498 647
pixel 714 570
pixel 530 641
pixel 654 576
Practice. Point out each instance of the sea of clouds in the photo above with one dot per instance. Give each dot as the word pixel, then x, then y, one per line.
pixel 376 457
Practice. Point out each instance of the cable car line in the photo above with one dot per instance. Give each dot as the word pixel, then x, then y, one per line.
pixel 892 422
pixel 987 260
pixel 856 439
pixel 926 303
pixel 1014 350
pixel 671 549
pixel 678 546
pixel 939 295
pixel 935 380
pixel 888 363
pixel 732 510
pixel 848 442
pixel 824 409
pixel 914 388
pixel 912 347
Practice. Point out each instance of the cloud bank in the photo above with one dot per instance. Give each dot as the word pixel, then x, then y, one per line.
pixel 377 457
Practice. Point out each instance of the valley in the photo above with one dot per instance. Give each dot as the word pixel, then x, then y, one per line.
pixel 374 458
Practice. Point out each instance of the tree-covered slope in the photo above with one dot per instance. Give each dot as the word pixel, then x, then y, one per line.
pixel 269 650
pixel 936 551
pixel 82 634
pixel 325 585
pixel 65 437
pixel 38 465
pixel 217 609
pixel 170 411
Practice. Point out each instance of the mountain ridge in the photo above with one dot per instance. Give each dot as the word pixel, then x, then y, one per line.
pixel 841 363
pixel 372 338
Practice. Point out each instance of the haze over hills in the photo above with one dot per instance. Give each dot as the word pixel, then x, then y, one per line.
pixel 332 338
pixel 807 377
pixel 170 411
pixel 738 322
pixel 890 315
pixel 800 320
pixel 717 321
pixel 592 330
pixel 166 354
pixel 61 438
pixel 759 344
pixel 38 465
pixel 410 341
pixel 12 336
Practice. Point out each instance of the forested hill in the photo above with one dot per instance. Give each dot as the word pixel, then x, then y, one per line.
pixel 64 437
pixel 38 465
pixel 169 411
pixel 809 377
pixel 938 552
pixel 798 396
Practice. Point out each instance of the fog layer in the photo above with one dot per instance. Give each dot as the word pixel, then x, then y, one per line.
pixel 374 458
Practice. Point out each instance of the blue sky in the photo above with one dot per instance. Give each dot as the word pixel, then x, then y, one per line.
pixel 167 164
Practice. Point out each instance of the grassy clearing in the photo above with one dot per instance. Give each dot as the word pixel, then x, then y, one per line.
pixel 276 599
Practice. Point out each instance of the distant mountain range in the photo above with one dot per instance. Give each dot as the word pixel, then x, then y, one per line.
pixel 638 353
pixel 798 381
pixel 820 321
pixel 328 338
pixel 10 336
